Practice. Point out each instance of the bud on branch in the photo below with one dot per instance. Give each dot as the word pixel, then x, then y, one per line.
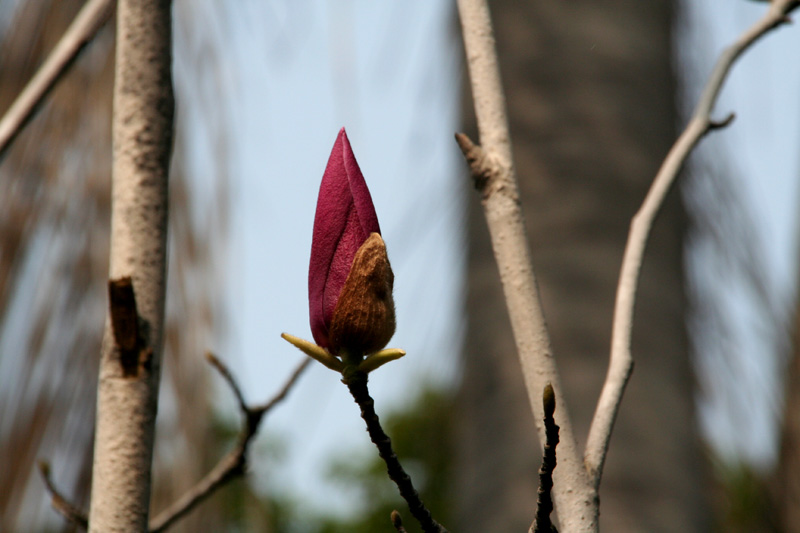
pixel 350 280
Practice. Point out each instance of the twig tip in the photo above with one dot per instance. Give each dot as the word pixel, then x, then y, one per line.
pixel 549 400
pixel 44 468
pixel 724 123
pixel 464 142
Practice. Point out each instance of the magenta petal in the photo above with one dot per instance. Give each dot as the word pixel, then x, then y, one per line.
pixel 345 217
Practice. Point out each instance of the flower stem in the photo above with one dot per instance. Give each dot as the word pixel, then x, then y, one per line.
pixel 356 382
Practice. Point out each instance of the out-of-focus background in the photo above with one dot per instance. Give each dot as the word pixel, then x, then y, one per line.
pixel 707 437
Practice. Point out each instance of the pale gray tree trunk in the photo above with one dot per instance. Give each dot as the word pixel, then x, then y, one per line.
pixel 128 392
pixel 55 190
pixel 590 98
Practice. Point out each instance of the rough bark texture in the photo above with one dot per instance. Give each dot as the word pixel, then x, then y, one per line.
pixel 590 96
pixel 142 137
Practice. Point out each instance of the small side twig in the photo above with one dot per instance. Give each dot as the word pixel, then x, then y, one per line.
pixel 232 464
pixel 701 123
pixel 357 384
pixel 89 20
pixel 59 502
pixel 544 505
pixel 480 165
pixel 397 522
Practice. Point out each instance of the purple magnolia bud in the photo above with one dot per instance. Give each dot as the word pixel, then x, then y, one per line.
pixel 344 220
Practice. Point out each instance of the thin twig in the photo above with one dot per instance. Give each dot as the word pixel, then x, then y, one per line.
pixel 89 20
pixel 621 360
pixel 59 503
pixel 229 379
pixel 232 464
pixel 493 170
pixel 357 384
pixel 279 397
pixel 397 522
pixel 544 506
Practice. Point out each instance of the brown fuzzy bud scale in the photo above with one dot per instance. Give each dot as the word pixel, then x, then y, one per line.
pixel 363 321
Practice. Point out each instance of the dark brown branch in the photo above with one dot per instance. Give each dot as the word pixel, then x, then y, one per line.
pixel 226 374
pixel 286 388
pixel 720 124
pixel 59 503
pixel 233 464
pixel 356 382
pixel 544 505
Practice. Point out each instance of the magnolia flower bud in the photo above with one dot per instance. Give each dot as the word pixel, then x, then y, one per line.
pixel 350 280
pixel 363 320
pixel 344 219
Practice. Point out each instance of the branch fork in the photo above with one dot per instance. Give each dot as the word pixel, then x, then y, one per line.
pixel 229 467
pixel 578 506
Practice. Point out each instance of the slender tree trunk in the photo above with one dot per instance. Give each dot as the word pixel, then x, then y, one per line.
pixel 128 389
pixel 590 98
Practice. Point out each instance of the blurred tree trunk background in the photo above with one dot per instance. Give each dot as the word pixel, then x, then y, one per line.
pixel 786 475
pixel 590 94
pixel 54 233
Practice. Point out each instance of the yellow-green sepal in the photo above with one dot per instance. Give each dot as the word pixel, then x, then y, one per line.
pixel 378 359
pixel 315 352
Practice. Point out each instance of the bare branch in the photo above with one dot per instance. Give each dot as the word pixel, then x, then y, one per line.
pixel 226 374
pixel 544 505
pixel 232 464
pixel 86 24
pixel 279 397
pixel 356 381
pixel 397 522
pixel 59 503
pixel 577 506
pixel 621 360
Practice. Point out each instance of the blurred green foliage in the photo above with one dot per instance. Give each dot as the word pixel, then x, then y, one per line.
pixel 422 436
pixel 744 501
